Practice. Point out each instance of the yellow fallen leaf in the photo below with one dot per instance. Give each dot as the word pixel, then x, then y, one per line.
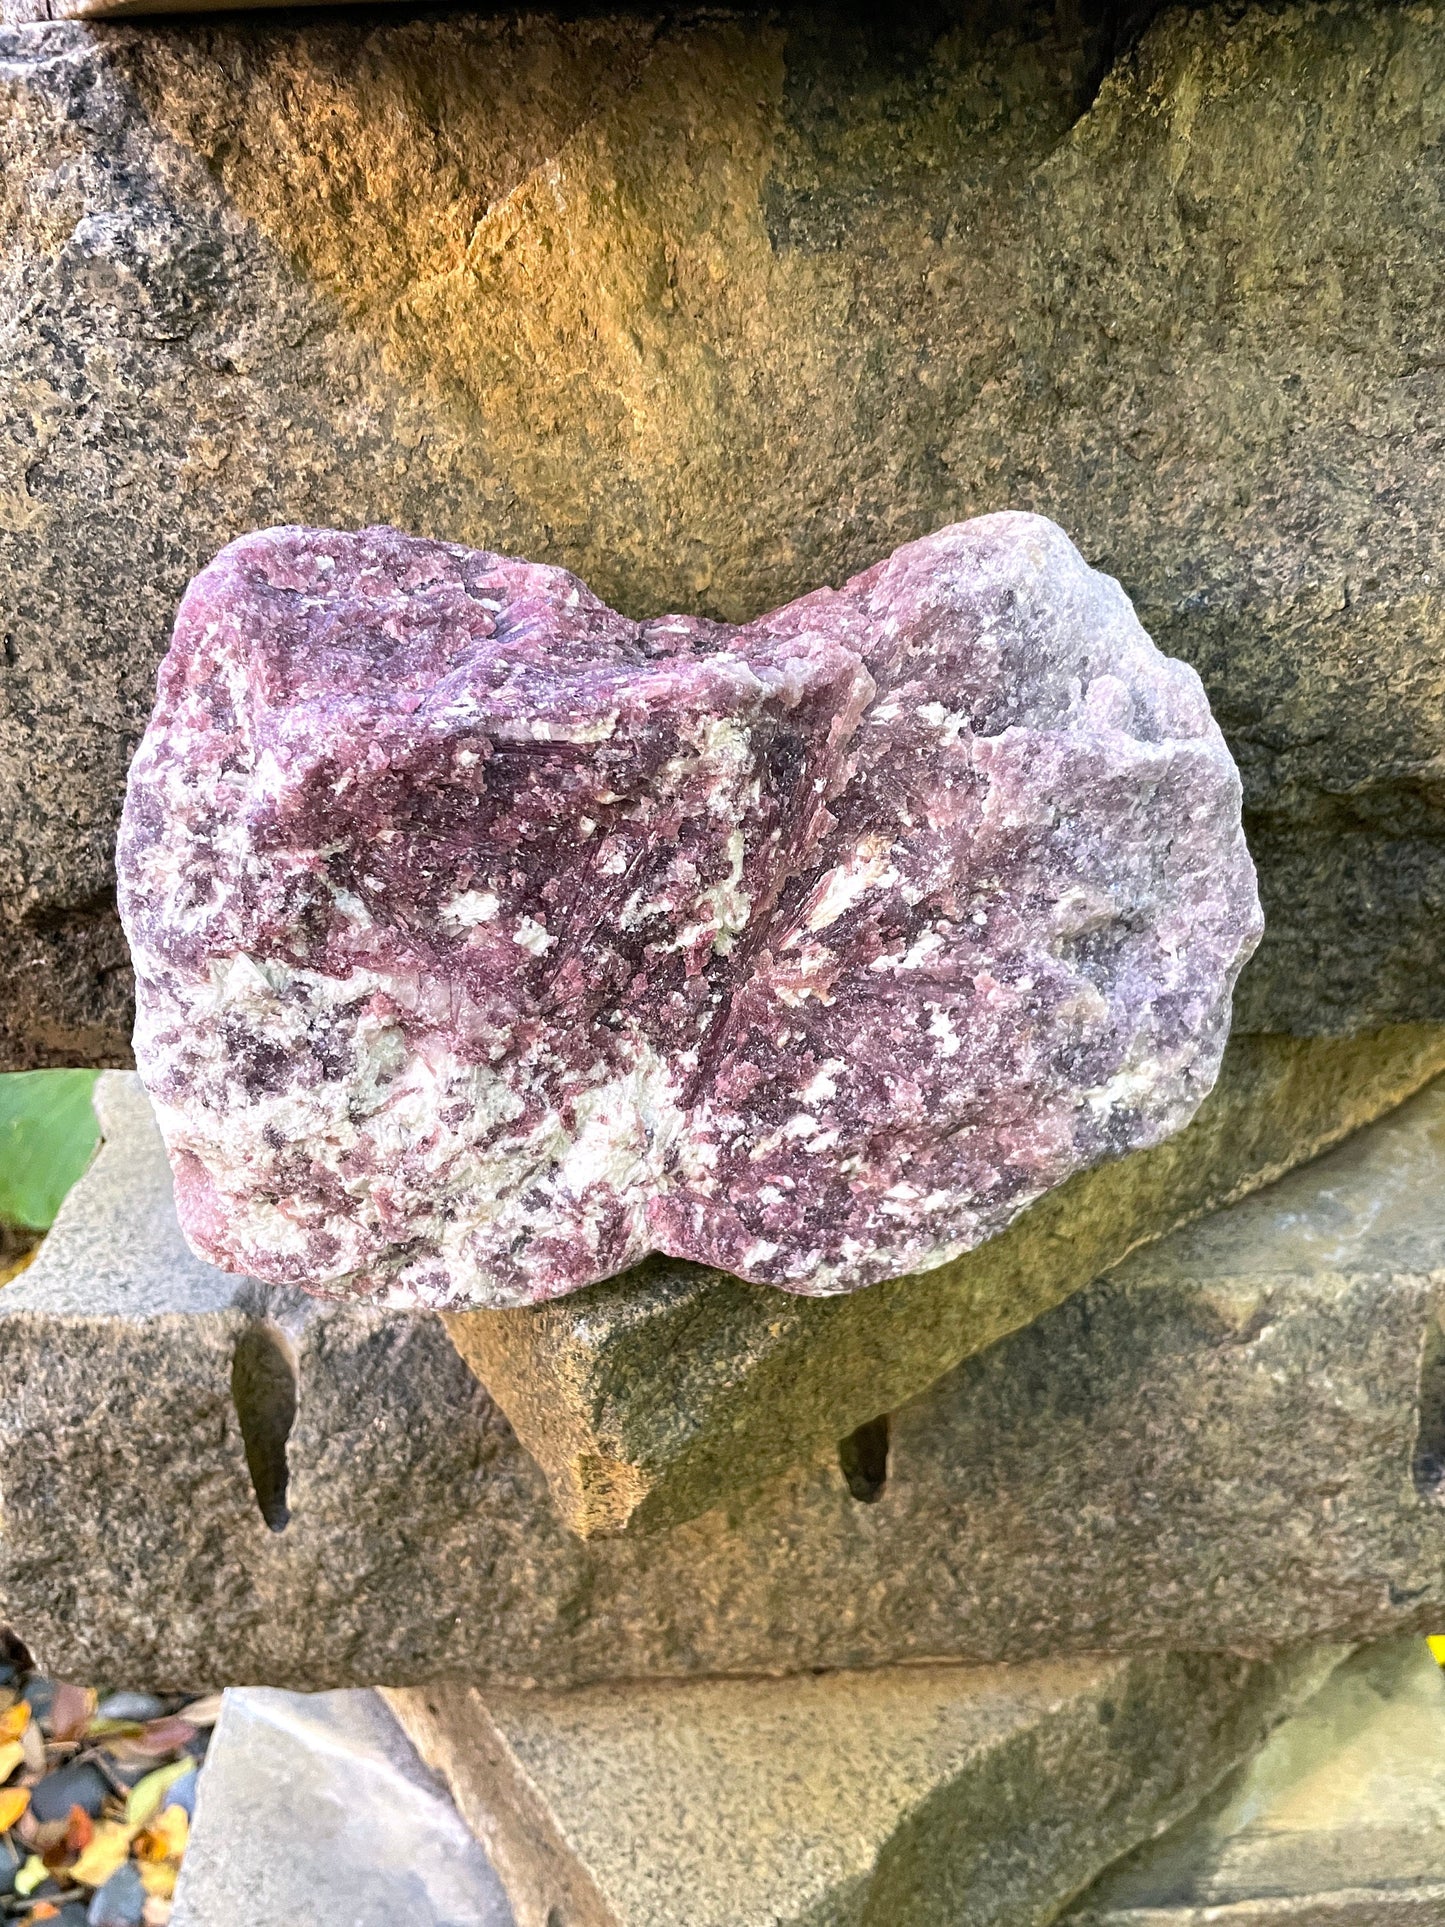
pixel 158 1877
pixel 13 1802
pixel 107 1729
pixel 30 1875
pixel 1436 1643
pixel 14 1720
pixel 147 1796
pixel 172 1826
pixel 14 1267
pixel 165 1838
pixel 109 1849
pixel 12 1754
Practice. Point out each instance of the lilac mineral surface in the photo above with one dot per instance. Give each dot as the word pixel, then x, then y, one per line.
pixel 488 941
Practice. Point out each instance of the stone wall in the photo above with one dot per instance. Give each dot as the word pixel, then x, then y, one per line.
pixel 714 309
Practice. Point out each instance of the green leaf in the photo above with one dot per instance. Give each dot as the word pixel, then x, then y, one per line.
pixel 48 1134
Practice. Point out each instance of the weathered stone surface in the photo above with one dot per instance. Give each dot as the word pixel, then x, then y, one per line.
pixel 487 942
pixel 1339 1820
pixel 1234 1442
pixel 148 1539
pixel 169 379
pixel 652 1398
pixel 911 1796
pixel 715 310
pixel 316 1808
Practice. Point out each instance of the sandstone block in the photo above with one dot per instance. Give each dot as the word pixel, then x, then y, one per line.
pixel 1338 1821
pixel 713 311
pixel 1233 1442
pixel 488 942
pixel 653 1397
pixel 983 1797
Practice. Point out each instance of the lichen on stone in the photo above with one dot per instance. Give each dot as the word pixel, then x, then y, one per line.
pixel 488 940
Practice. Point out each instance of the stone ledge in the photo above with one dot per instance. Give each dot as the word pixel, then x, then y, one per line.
pixel 655 1396
pixel 911 1796
pixel 1221 1445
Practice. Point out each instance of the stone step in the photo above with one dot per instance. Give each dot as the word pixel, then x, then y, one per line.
pixel 984 1797
pixel 652 1397
pixel 1235 1440
pixel 317 1807
pixel 1339 1821
pixel 314 1811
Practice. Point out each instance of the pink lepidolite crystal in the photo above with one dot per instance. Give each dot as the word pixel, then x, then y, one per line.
pixel 488 941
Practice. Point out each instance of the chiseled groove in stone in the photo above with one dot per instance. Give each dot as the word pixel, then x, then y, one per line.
pixel 651 1398
pixel 984 1797
pixel 488 941
pixel 1213 1448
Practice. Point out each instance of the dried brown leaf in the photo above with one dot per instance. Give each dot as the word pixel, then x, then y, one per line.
pixel 168 1735
pixel 71 1711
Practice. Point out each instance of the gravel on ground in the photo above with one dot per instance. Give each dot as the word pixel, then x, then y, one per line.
pixel 97 1791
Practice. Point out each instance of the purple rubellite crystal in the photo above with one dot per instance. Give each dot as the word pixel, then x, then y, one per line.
pixel 488 941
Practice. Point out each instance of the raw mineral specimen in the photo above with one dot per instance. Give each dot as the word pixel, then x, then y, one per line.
pixel 487 941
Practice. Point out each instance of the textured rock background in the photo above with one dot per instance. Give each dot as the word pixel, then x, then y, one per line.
pixel 714 311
